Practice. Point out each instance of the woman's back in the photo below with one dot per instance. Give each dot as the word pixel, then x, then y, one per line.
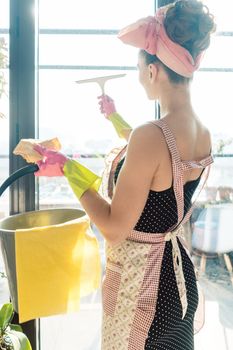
pixel 193 144
pixel 160 211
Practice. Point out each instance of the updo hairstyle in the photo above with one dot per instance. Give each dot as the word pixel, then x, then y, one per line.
pixel 189 24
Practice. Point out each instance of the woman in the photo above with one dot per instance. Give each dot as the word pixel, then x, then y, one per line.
pixel 150 293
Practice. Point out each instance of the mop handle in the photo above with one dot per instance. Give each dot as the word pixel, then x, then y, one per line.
pixel 28 169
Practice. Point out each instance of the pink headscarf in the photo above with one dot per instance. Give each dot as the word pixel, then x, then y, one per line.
pixel 150 35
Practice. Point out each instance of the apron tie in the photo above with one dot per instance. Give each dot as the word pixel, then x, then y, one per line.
pixel 178 268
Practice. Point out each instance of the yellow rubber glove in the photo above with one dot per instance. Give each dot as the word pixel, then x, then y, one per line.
pixel 80 178
pixel 119 124
pixel 108 109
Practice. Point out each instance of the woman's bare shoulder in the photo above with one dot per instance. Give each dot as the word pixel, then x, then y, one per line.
pixel 148 137
pixel 148 131
pixel 147 141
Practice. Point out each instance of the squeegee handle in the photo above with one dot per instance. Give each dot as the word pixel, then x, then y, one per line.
pixel 101 84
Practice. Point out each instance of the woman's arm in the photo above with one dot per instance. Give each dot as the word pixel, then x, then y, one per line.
pixel 108 109
pixel 116 220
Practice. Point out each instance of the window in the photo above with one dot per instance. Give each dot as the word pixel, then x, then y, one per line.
pixel 4 127
pixel 78 42
pixel 212 242
pixel 4 103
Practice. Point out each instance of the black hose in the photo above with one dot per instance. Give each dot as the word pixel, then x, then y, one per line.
pixel 28 169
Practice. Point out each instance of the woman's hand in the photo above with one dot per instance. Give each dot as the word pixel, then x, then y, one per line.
pixel 107 105
pixel 52 163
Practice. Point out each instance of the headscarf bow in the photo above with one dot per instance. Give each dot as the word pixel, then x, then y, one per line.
pixel 150 35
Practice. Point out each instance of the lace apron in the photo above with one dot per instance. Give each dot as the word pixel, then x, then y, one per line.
pixel 131 282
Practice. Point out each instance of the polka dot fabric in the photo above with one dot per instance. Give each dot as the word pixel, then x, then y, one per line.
pixel 160 211
pixel 168 331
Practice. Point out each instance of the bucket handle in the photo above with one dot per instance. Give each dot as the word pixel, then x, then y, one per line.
pixel 28 169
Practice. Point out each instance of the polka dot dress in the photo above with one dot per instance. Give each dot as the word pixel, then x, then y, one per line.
pixel 168 331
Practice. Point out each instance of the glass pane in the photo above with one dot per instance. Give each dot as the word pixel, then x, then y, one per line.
pixel 212 253
pixel 4 121
pixel 4 131
pixel 92 14
pixel 4 14
pixel 109 50
pixel 86 50
pixel 222 11
pixel 212 101
pixel 62 100
pixel 86 131
pixel 212 241
pixel 218 54
pixel 70 112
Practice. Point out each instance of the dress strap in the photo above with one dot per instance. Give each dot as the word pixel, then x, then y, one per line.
pixel 187 165
pixel 189 212
pixel 177 169
pixel 190 164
